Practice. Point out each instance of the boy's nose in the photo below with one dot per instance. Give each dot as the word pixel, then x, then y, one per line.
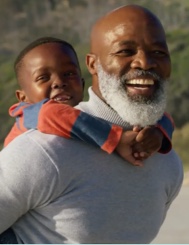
pixel 58 83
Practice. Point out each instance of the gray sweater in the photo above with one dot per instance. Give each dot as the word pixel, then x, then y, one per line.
pixel 55 190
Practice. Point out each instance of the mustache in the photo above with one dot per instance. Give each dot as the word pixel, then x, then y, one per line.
pixel 137 73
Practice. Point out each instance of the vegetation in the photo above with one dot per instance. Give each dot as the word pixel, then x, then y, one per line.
pixel 180 144
pixel 23 21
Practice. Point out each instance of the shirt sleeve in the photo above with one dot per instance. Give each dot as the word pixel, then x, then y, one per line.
pixel 166 125
pixel 66 121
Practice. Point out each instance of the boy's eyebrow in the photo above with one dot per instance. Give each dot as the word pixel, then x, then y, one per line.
pixel 67 65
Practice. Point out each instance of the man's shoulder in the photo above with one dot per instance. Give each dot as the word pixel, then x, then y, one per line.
pixel 172 167
pixel 174 158
pixel 171 161
pixel 30 141
pixel 29 149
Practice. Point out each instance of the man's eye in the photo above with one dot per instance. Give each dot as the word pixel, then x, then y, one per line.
pixel 126 52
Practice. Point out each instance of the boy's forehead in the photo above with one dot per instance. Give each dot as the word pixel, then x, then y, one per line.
pixel 53 56
pixel 51 51
pixel 48 47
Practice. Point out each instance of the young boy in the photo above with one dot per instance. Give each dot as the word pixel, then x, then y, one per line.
pixel 49 76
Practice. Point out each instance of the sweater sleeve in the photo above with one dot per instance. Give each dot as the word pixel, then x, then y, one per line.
pixel 14 132
pixel 166 125
pixel 26 116
pixel 66 121
pixel 63 120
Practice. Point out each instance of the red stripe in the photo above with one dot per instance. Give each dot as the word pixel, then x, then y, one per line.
pixel 18 111
pixel 57 119
pixel 113 139
pixel 12 134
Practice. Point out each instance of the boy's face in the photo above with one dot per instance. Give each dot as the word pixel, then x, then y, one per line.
pixel 51 71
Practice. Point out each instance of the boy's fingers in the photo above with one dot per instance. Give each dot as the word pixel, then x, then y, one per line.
pixel 142 155
pixel 136 128
pixel 144 134
pixel 134 161
pixel 128 137
pixel 141 137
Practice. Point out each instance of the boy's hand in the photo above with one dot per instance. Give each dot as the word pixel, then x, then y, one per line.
pixel 148 141
pixel 125 147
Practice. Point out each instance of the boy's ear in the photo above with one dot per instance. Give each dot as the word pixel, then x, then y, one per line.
pixel 21 96
pixel 91 63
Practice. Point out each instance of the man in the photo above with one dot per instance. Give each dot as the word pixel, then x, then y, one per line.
pixel 64 191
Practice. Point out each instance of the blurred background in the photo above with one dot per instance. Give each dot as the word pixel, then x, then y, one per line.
pixel 22 21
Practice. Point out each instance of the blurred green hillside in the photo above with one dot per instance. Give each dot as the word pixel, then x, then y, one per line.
pixel 23 21
pixel 180 144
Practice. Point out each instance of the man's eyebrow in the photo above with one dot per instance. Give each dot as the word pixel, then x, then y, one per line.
pixel 133 43
pixel 127 42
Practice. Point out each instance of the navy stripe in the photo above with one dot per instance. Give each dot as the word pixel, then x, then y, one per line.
pixel 166 125
pixel 90 129
pixel 31 114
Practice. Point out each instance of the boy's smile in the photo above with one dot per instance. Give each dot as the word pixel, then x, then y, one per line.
pixel 51 70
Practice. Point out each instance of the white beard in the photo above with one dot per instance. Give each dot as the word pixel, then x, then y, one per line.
pixel 133 111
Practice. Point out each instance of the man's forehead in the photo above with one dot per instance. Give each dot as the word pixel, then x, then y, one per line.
pixel 126 34
pixel 128 22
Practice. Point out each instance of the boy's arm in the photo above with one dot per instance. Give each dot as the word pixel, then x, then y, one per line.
pixel 166 125
pixel 62 120
pixel 66 121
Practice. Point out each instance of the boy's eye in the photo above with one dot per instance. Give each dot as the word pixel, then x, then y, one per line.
pixel 43 78
pixel 70 74
pixel 160 53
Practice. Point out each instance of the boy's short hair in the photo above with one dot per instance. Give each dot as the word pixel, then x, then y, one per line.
pixel 38 42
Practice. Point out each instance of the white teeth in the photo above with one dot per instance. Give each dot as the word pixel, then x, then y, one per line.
pixel 141 82
pixel 62 98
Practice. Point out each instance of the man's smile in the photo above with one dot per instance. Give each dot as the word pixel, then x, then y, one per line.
pixel 145 87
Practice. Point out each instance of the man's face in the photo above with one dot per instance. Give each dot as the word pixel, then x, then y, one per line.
pixel 136 57
pixel 51 71
pixel 136 110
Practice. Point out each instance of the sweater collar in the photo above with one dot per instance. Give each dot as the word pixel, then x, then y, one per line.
pixel 98 108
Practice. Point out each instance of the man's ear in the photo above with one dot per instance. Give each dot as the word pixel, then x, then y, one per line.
pixel 21 96
pixel 91 60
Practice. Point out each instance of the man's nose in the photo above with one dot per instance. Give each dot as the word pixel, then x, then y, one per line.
pixel 143 60
pixel 59 83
